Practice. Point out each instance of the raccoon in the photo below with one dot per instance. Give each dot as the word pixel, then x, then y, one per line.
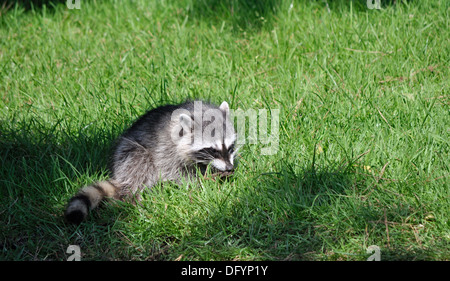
pixel 168 143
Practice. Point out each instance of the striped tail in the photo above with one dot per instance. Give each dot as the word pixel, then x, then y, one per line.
pixel 87 199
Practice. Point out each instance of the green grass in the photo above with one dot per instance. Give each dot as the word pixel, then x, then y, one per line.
pixel 363 140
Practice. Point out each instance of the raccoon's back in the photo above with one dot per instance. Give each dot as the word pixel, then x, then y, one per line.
pixel 148 127
pixel 142 152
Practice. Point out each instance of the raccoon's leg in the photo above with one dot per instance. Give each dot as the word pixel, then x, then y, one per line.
pixel 88 198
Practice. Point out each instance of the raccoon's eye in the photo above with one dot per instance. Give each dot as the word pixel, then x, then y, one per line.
pixel 210 151
pixel 231 148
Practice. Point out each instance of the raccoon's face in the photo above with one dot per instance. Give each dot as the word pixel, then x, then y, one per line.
pixel 220 156
pixel 208 137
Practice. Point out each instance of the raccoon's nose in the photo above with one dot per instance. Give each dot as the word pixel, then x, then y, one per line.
pixel 229 167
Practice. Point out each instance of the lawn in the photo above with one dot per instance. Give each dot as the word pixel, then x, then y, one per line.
pixel 363 139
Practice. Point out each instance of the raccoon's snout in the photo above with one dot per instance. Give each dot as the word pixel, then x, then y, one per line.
pixel 229 167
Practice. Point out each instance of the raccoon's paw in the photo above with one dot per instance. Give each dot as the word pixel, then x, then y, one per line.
pixel 222 175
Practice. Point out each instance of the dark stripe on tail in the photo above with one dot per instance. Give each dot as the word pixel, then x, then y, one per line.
pixel 88 198
pixel 99 189
pixel 77 216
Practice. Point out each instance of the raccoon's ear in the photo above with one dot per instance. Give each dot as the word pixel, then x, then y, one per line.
pixel 224 107
pixel 185 121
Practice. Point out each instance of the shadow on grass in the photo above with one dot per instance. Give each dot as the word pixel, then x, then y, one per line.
pixel 312 214
pixel 31 4
pixel 278 216
pixel 243 14
pixel 360 5
pixel 257 14
pixel 40 169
